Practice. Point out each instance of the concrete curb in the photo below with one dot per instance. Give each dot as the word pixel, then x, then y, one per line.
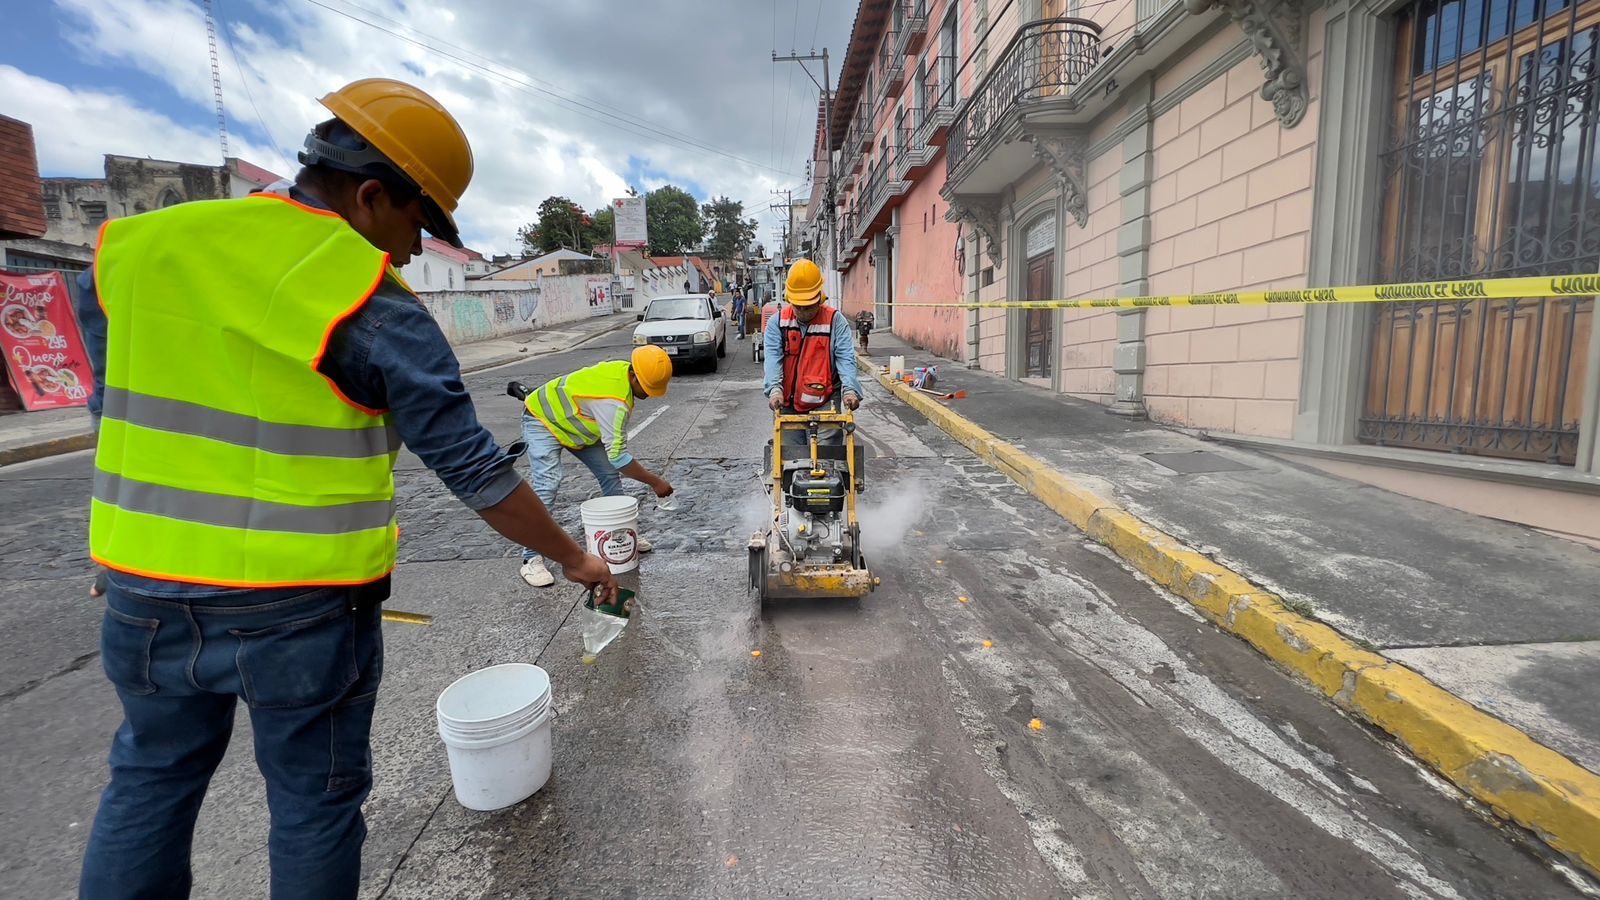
pixel 52 447
pixel 1517 777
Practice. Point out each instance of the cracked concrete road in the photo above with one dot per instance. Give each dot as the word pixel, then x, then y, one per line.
pixel 875 748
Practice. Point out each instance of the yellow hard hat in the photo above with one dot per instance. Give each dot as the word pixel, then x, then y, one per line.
pixel 804 286
pixel 653 367
pixel 415 133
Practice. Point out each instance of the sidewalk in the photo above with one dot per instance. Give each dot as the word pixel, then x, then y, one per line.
pixel 25 436
pixel 1502 616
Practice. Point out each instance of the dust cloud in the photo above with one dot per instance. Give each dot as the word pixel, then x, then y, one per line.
pixel 887 521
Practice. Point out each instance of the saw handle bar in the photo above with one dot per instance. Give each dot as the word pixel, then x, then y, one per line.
pixel 518 390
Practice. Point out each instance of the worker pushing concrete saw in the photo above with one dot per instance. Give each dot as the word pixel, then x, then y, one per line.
pixel 811 546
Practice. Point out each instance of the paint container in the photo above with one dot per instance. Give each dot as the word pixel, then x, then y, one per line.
pixel 611 529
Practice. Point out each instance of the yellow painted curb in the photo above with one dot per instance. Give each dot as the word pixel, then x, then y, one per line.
pixel 1519 778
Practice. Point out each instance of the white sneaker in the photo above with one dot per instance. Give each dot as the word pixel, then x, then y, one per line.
pixel 644 546
pixel 535 574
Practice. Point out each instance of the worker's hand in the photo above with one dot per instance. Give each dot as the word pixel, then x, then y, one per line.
pixel 592 572
pixel 852 401
pixel 775 401
pixel 662 487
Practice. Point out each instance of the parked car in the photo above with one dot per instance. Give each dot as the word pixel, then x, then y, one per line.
pixel 690 327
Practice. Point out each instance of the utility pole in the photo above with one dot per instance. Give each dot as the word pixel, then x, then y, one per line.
pixel 788 217
pixel 829 208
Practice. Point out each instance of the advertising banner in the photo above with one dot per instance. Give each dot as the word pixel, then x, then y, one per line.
pixel 44 352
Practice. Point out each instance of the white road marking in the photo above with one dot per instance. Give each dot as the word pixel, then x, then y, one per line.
pixel 648 419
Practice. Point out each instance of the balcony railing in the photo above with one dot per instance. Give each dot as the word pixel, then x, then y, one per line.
pixel 936 103
pixel 883 184
pixel 910 22
pixel 1046 59
pixel 891 66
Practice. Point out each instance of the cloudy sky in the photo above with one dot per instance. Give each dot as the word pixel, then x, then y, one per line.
pixel 581 99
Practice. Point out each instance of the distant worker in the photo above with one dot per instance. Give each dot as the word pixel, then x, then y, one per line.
pixel 738 310
pixel 263 365
pixel 586 414
pixel 810 353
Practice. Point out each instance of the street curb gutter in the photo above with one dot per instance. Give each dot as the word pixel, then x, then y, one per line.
pixel 1519 778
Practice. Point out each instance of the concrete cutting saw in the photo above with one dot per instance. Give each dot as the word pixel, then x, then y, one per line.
pixel 811 546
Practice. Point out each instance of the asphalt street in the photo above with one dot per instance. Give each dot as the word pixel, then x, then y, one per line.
pixel 875 748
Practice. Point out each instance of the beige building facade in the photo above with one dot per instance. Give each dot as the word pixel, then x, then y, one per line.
pixel 1220 145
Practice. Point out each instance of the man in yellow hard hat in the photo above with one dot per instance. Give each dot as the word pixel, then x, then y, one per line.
pixel 586 414
pixel 261 365
pixel 810 352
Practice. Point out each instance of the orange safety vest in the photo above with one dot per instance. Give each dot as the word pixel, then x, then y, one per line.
pixel 808 376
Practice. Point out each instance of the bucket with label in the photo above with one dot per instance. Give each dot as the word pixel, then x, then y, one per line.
pixel 495 724
pixel 611 528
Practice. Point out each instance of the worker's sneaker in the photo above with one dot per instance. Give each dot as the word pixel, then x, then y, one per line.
pixel 644 546
pixel 535 574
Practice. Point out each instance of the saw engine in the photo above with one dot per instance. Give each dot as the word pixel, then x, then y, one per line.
pixel 813 519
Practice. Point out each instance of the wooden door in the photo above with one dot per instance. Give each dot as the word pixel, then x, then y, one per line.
pixel 1490 171
pixel 1038 330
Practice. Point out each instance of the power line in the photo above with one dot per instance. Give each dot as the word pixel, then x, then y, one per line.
pixel 527 87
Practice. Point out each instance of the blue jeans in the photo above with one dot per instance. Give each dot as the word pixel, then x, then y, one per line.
pixel 180 658
pixel 544 465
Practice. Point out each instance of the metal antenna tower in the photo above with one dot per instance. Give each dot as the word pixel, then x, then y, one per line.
pixel 216 79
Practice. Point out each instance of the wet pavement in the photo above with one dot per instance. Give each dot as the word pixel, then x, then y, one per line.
pixel 875 748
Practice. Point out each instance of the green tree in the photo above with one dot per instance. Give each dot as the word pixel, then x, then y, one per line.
pixel 730 231
pixel 599 230
pixel 673 219
pixel 561 223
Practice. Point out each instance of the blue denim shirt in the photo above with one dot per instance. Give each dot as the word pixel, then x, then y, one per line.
pixel 390 355
pixel 844 356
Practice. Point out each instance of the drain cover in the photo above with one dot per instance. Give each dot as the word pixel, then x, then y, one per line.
pixel 1197 462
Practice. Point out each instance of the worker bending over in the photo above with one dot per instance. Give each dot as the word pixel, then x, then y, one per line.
pixel 586 414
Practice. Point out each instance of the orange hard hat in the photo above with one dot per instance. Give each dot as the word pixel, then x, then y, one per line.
pixel 804 285
pixel 416 135
pixel 653 367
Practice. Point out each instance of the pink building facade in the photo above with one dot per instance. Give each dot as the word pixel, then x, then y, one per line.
pixel 1047 150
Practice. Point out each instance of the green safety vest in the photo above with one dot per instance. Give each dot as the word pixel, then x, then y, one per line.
pixel 555 403
pixel 225 457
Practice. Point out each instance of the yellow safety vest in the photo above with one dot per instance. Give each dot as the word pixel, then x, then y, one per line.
pixel 556 403
pixel 225 456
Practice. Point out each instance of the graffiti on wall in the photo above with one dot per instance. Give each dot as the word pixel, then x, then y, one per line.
pixel 527 306
pixel 505 309
pixel 470 320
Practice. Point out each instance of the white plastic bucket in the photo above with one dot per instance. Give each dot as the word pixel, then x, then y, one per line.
pixel 897 367
pixel 611 529
pixel 495 724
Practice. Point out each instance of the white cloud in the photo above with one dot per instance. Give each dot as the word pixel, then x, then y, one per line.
pixel 527 146
pixel 75 129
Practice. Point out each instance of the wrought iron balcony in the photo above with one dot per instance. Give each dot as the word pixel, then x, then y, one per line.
pixel 892 66
pixel 936 103
pixel 1045 60
pixel 910 22
pixel 883 190
pixel 859 137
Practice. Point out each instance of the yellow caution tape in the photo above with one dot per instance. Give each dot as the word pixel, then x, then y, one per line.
pixel 1417 291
